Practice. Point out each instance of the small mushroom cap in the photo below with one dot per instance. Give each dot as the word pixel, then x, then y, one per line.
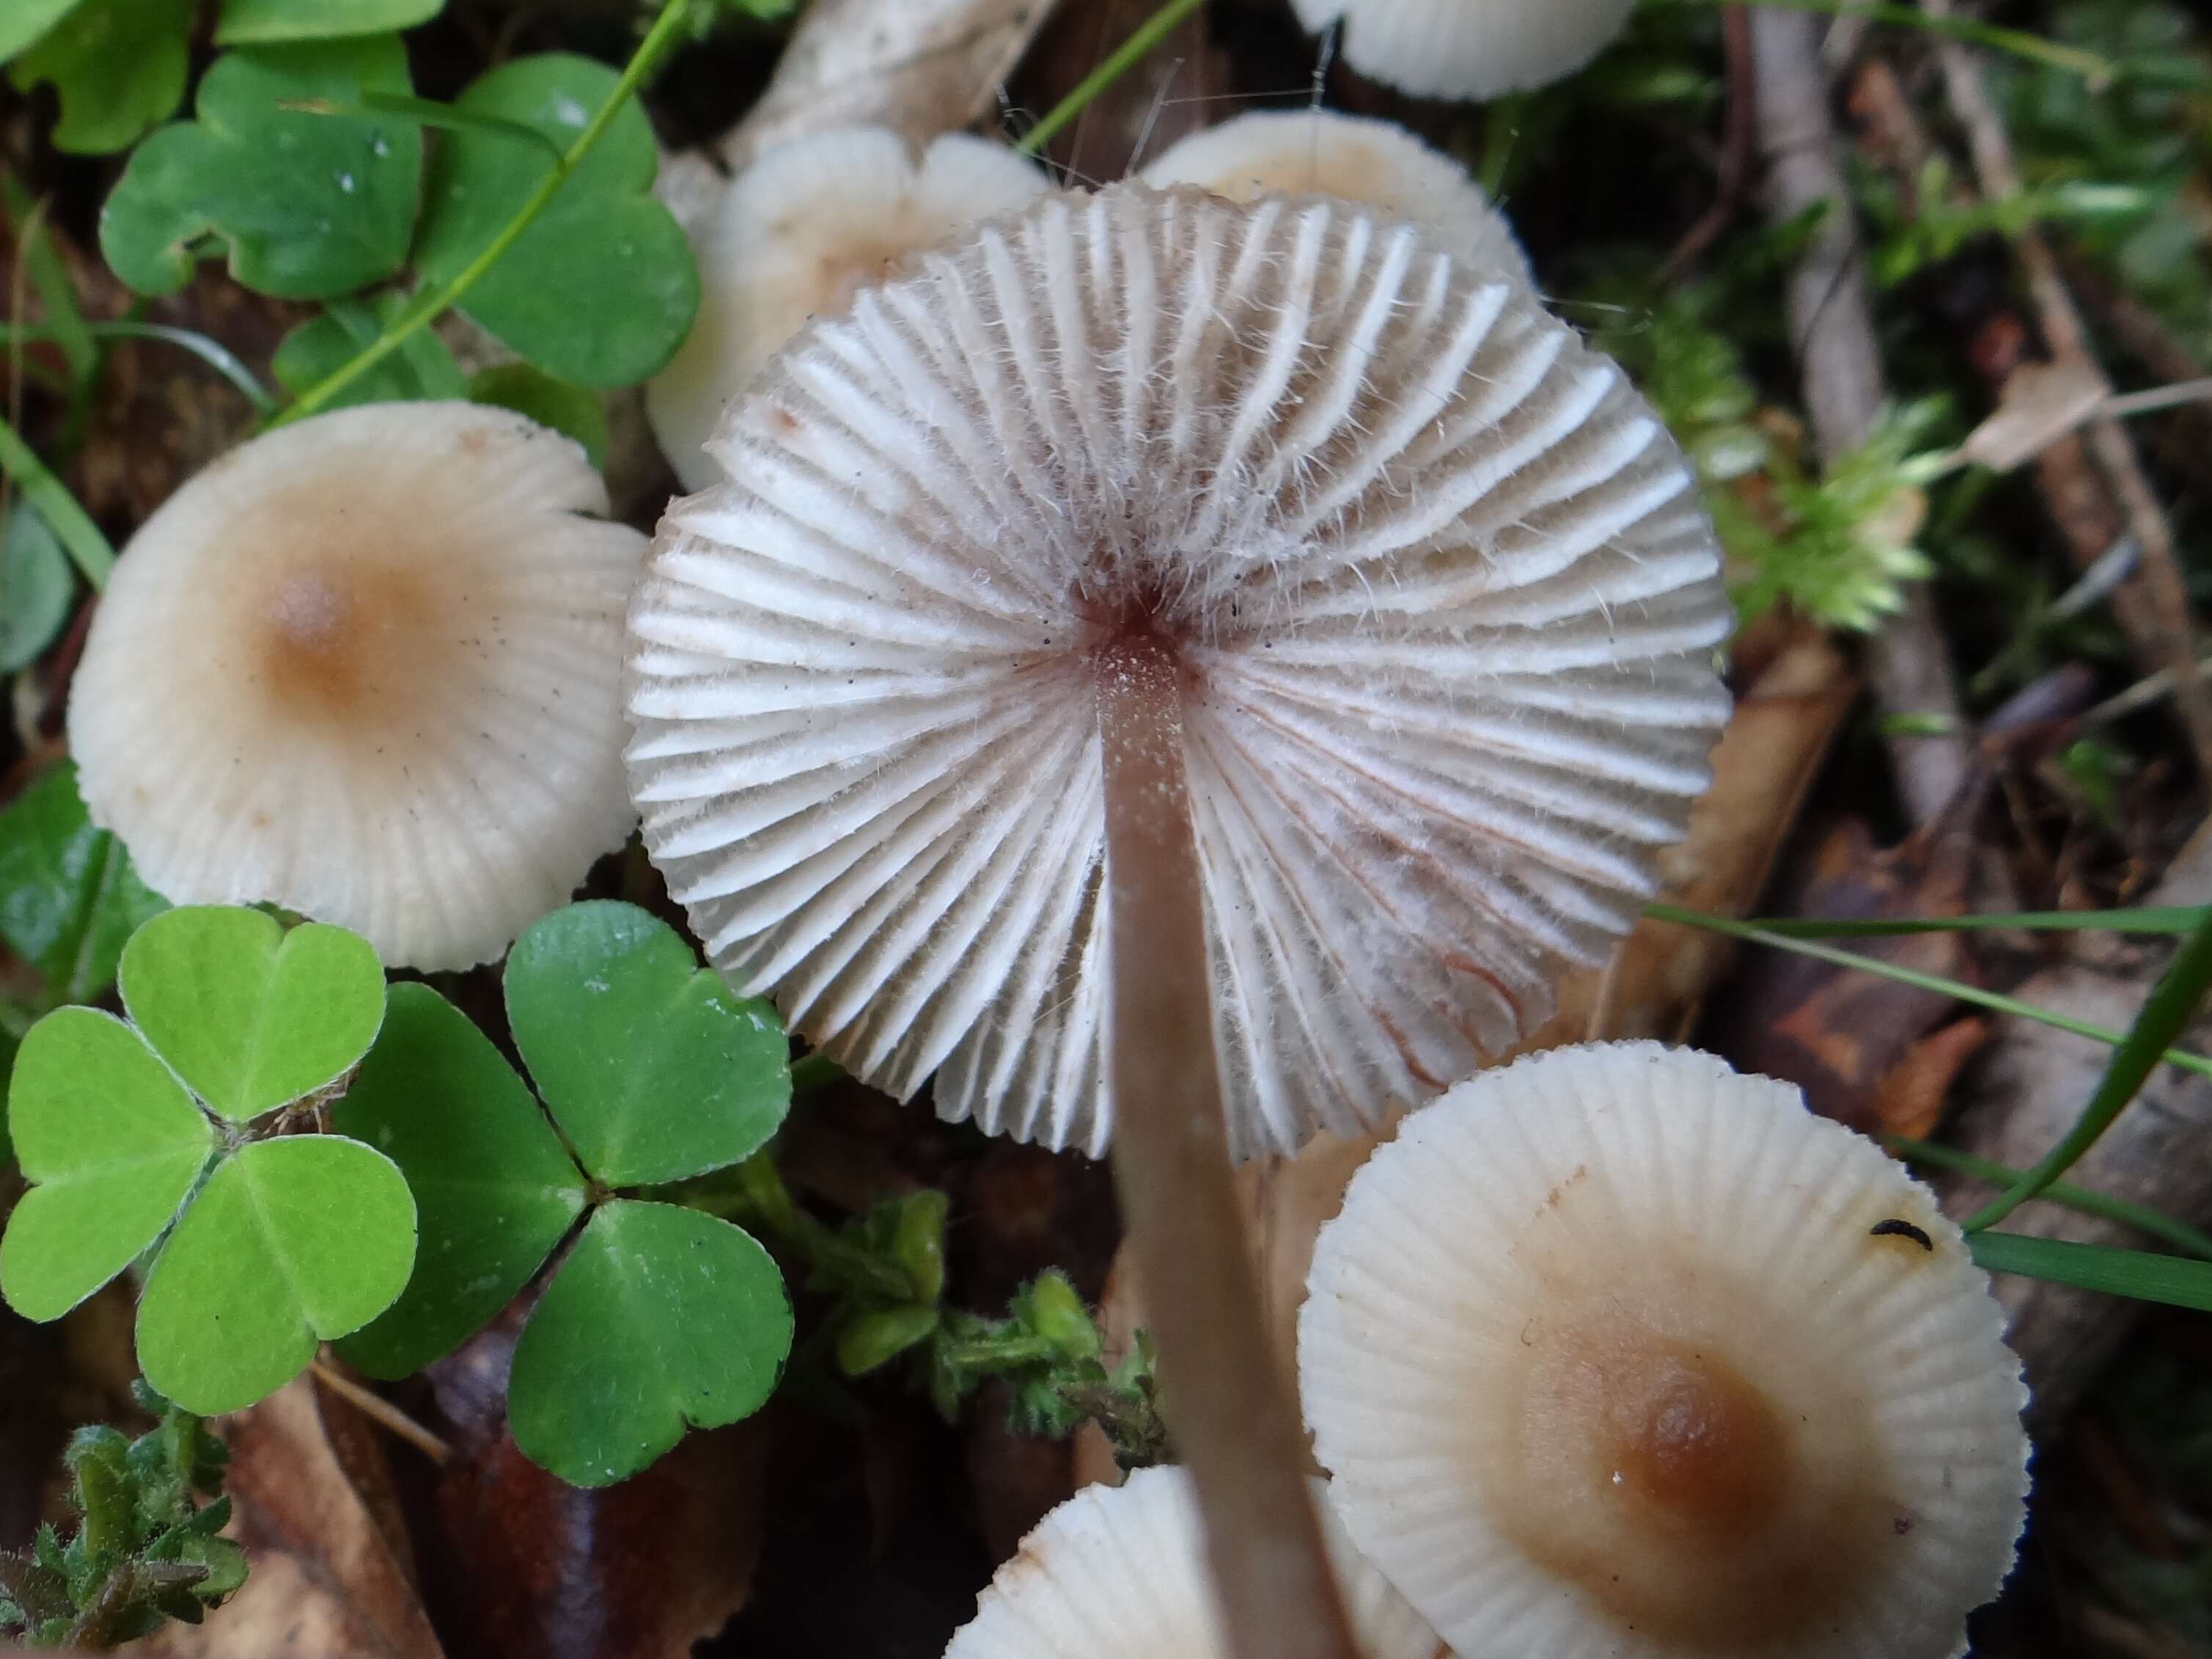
pixel 1119 1572
pixel 366 667
pixel 1357 157
pixel 1614 1352
pixel 796 235
pixel 1443 600
pixel 1468 49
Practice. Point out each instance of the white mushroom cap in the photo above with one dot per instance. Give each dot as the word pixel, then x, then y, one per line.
pixel 1435 575
pixel 366 667
pixel 1613 1351
pixel 1119 1572
pixel 1468 49
pixel 1357 157
pixel 796 235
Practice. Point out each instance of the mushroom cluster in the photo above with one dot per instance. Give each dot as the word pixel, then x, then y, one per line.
pixel 798 233
pixel 1615 1351
pixel 366 667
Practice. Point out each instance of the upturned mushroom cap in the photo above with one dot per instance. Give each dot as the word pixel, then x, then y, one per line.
pixel 1468 49
pixel 796 235
pixel 1361 159
pixel 366 667
pixel 1614 1352
pixel 1434 576
pixel 1119 1572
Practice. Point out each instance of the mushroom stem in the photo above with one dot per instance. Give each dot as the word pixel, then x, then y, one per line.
pixel 1227 1404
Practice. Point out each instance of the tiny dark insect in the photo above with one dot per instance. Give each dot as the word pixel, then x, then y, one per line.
pixel 1895 1229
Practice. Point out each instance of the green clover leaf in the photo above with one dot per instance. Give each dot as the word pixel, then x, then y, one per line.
pixel 653 1068
pixel 22 21
pixel 312 205
pixel 37 587
pixel 494 1190
pixel 291 1241
pixel 530 391
pixel 68 897
pixel 113 1144
pixel 659 1317
pixel 253 1018
pixel 601 289
pixel 259 23
pixel 119 67
pixel 421 368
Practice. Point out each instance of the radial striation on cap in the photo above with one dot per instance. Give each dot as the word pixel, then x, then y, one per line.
pixel 797 235
pixel 1434 579
pixel 1468 49
pixel 366 667
pixel 1614 1352
pixel 1119 1572
pixel 1359 158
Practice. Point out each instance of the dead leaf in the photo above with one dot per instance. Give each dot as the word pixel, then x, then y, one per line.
pixel 515 1563
pixel 327 1581
pixel 1910 1098
pixel 921 67
pixel 2041 402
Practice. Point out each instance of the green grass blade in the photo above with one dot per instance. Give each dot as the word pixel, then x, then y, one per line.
pixel 2166 1011
pixel 2155 919
pixel 1753 934
pixel 68 520
pixel 2157 1222
pixel 1125 57
pixel 2173 1279
pixel 213 352
pixel 2099 71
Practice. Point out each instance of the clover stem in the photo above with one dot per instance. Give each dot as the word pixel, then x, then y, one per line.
pixel 1228 1408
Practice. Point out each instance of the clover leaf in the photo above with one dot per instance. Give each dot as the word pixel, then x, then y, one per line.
pixel 257 23
pixel 251 1016
pixel 494 1190
pixel 68 897
pixel 37 587
pixel 111 1143
pixel 421 368
pixel 119 66
pixel 312 205
pixel 654 1070
pixel 286 1241
pixel 530 391
pixel 659 1317
pixel 22 21
pixel 600 290
pixel 290 1242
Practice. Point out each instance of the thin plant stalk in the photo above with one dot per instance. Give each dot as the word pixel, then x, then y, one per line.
pixel 2150 919
pixel 1123 58
pixel 69 521
pixel 1950 987
pixel 667 30
pixel 213 352
pixel 1227 1408
pixel 2166 1011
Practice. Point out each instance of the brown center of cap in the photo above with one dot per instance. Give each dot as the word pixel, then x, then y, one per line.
pixel 1686 1438
pixel 339 640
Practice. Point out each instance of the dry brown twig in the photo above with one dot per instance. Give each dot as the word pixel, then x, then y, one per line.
pixel 1908 664
pixel 2156 611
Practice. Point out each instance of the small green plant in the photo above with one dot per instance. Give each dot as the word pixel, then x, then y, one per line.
pixel 146 1550
pixel 161 1139
pixel 884 1271
pixel 650 1072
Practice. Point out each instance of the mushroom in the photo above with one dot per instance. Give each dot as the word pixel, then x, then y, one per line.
pixel 366 667
pixel 1188 669
pixel 796 235
pixel 1616 1351
pixel 1113 1573
pixel 1355 157
pixel 1468 49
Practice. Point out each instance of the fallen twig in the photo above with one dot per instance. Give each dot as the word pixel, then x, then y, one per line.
pixel 1908 666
